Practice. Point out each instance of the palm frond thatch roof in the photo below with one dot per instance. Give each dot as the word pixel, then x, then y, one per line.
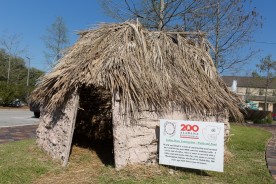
pixel 145 67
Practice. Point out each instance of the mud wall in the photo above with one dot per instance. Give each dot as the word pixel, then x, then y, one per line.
pixel 138 143
pixel 55 130
pixel 133 142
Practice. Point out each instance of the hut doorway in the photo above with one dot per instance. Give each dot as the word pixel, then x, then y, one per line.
pixel 93 127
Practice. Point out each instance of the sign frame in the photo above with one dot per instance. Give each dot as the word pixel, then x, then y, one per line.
pixel 192 144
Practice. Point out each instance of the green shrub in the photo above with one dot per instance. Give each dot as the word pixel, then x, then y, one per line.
pixel 10 92
pixel 267 120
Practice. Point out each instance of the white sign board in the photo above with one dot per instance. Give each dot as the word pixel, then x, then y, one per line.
pixel 192 144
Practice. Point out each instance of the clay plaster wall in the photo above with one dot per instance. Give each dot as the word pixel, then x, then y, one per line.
pixel 55 130
pixel 133 142
pixel 138 143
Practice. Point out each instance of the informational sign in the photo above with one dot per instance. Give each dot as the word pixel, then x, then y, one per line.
pixel 192 144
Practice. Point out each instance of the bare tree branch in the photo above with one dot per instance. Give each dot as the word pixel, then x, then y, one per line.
pixel 228 23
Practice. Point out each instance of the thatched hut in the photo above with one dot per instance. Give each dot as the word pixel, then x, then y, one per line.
pixel 118 80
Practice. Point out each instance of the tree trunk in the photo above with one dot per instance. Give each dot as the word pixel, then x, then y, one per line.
pixel 216 57
pixel 266 86
pixel 161 15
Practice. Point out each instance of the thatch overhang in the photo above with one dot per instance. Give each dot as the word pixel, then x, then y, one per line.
pixel 146 68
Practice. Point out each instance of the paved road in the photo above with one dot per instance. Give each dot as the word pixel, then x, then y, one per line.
pixel 16 117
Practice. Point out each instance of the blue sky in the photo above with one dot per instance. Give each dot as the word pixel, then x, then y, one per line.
pixel 30 18
pixel 266 36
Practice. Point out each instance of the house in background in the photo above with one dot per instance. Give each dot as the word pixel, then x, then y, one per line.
pixel 253 89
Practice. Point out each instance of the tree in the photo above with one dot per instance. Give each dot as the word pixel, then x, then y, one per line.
pixel 55 40
pixel 255 74
pixel 3 65
pixel 267 67
pixel 154 14
pixel 228 24
pixel 10 43
pixel 230 27
pixel 16 88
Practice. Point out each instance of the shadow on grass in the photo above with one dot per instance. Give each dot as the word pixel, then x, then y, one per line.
pixel 188 170
pixel 103 148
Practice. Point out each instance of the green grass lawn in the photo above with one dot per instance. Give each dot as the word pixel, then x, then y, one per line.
pixel 22 162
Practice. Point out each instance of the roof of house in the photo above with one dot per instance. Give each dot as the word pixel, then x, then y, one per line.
pixel 261 98
pixel 248 82
pixel 146 68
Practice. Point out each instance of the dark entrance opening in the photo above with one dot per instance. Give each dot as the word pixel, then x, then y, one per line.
pixel 93 128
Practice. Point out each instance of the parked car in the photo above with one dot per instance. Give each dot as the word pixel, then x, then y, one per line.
pixel 35 108
pixel 16 103
pixel 274 117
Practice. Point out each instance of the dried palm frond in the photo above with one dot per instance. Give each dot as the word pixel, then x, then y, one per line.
pixel 146 68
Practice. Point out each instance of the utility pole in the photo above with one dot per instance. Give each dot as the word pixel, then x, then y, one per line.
pixel 9 69
pixel 28 71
